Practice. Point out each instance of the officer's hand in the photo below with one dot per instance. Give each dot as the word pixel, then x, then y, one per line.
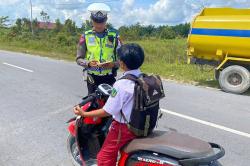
pixel 93 63
pixel 78 111
pixel 109 65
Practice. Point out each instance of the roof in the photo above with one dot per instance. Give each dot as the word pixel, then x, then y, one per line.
pixel 46 25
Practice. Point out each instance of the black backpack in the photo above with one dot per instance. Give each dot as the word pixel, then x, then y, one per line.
pixel 147 93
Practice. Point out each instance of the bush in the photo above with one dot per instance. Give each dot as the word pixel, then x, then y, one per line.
pixel 61 39
pixel 167 33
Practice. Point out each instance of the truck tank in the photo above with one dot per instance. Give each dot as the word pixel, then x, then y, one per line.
pixel 219 32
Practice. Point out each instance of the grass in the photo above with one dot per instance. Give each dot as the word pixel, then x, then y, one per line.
pixel 164 57
pixel 42 44
pixel 40 48
pixel 168 59
pixel 182 73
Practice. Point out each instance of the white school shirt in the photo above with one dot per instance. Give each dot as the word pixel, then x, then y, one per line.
pixel 124 98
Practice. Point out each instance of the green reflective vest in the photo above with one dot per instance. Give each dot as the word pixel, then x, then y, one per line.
pixel 101 50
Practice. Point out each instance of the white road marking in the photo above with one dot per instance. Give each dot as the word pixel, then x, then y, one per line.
pixel 18 67
pixel 240 133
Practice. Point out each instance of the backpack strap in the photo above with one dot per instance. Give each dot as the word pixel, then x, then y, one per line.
pixel 123 116
pixel 130 77
pixel 134 79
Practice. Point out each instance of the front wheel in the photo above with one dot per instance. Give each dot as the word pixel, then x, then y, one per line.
pixel 234 79
pixel 73 151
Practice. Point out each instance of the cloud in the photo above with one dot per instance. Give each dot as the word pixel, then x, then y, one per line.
pixel 9 2
pixel 124 12
pixel 161 12
pixel 127 4
pixel 170 11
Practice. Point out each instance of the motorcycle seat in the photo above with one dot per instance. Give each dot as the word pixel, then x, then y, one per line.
pixel 172 144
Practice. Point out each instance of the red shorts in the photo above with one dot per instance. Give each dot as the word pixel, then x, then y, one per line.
pixel 113 142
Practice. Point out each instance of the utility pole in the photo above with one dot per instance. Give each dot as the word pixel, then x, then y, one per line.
pixel 31 19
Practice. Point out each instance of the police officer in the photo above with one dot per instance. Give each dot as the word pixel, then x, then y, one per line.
pixel 97 49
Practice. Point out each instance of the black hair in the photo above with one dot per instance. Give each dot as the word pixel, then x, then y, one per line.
pixel 132 55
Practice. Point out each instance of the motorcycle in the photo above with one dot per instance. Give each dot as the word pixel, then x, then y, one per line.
pixel 161 148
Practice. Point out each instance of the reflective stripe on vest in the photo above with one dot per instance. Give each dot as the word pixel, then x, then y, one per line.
pixel 101 50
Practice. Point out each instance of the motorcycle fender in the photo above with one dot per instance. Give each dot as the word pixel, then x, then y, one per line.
pixel 123 158
pixel 71 128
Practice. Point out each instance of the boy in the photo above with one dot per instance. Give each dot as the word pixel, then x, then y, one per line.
pixel 131 57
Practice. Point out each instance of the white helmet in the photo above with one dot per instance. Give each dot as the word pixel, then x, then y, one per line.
pixel 99 12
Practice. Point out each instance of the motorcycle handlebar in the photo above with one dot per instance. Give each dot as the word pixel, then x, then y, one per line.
pixel 89 98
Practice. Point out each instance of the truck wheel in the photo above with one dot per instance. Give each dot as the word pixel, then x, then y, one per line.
pixel 234 79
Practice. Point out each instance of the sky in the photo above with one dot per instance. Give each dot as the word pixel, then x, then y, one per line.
pixel 123 12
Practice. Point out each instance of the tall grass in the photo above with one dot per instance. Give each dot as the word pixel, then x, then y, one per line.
pixel 168 59
pixel 43 44
pixel 165 51
pixel 164 57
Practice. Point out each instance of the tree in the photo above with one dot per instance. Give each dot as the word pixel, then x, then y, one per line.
pixel 3 21
pixel 26 24
pixel 45 16
pixel 69 27
pixel 35 25
pixel 17 28
pixel 59 26
pixel 148 31
pixel 167 33
pixel 182 30
pixel 19 25
pixel 109 26
pixel 88 25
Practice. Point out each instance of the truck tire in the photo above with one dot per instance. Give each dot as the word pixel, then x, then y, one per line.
pixel 234 79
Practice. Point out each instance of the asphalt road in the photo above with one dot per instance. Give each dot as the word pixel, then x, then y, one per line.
pixel 37 95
